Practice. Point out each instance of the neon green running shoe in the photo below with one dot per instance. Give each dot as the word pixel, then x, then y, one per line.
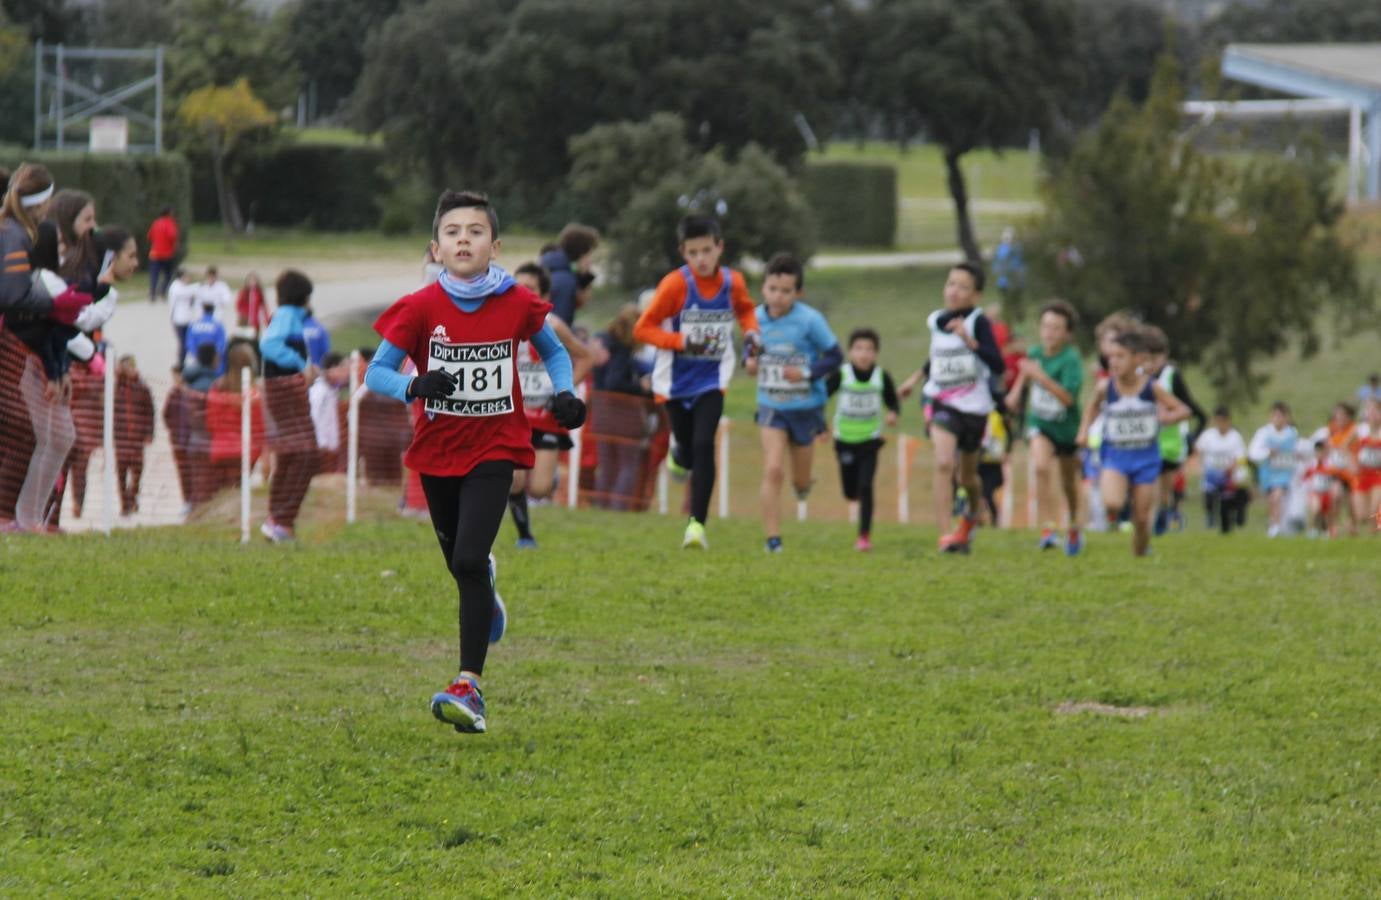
pixel 695 537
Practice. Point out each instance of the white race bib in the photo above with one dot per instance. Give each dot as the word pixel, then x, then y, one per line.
pixel 860 404
pixel 1321 483
pixel 1281 459
pixel 1369 457
pixel 772 376
pixel 951 370
pixel 1044 405
pixel 1131 427
pixel 712 327
pixel 537 387
pixel 484 376
pixel 1219 462
pixel 1338 459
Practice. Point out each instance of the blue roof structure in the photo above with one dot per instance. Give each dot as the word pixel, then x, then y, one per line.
pixel 1347 72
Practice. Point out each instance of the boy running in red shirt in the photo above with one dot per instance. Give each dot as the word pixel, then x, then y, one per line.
pixel 691 323
pixel 1321 483
pixel 461 333
pixel 1368 493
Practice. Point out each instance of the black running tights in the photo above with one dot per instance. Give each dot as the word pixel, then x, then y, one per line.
pixel 858 466
pixel 695 429
pixel 467 511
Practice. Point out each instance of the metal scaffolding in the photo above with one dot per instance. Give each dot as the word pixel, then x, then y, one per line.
pixel 72 101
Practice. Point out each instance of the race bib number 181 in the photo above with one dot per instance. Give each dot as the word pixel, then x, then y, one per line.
pixel 484 378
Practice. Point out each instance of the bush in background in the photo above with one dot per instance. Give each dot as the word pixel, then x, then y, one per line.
pixel 856 201
pixel 129 190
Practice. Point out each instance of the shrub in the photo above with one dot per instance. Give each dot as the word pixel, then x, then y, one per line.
pixel 129 190
pixel 858 201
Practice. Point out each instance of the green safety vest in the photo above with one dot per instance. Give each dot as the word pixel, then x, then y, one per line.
pixel 1174 439
pixel 858 415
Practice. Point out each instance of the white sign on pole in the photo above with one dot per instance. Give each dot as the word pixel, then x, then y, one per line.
pixel 109 134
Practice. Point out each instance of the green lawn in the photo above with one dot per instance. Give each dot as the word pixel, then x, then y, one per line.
pixel 1011 175
pixel 209 719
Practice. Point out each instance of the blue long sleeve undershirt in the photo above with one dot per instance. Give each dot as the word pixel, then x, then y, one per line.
pixel 827 362
pixel 383 377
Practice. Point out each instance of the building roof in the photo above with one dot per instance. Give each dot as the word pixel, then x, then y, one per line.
pixel 1343 71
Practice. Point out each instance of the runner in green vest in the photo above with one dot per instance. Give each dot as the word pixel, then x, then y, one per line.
pixel 867 402
pixel 1175 440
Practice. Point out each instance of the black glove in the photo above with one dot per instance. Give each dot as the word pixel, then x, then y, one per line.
pixel 437 384
pixel 568 410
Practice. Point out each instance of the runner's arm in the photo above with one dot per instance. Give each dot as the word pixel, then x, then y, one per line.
pixel 827 363
pixel 1172 408
pixel 666 303
pixel 383 377
pixel 987 348
pixel 582 360
pixel 889 394
pixel 1095 402
pixel 1181 392
pixel 832 382
pixel 555 358
pixel 745 310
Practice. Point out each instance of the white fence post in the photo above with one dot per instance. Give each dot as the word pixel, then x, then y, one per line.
pixel 246 415
pixel 573 468
pixel 108 444
pixel 903 482
pixel 352 438
pixel 723 485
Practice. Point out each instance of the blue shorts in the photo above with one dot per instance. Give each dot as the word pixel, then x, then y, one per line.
pixel 1140 466
pixel 1275 479
pixel 802 426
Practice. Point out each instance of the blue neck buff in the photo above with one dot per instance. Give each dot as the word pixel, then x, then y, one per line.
pixel 468 293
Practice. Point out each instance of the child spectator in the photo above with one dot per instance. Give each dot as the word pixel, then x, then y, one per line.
pixel 199 374
pixel 1222 451
pixel 207 330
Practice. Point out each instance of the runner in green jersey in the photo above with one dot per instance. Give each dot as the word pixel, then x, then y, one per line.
pixel 1054 374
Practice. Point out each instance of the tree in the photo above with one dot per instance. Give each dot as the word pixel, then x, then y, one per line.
pixel 1235 258
pixel 424 88
pixel 1285 21
pixel 327 38
pixel 223 116
pixel 978 74
pixel 218 42
pixel 610 163
pixel 758 205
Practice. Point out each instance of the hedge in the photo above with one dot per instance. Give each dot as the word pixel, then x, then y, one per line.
pixel 855 204
pixel 129 190
pixel 323 186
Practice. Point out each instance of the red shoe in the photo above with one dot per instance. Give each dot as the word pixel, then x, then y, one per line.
pixel 958 542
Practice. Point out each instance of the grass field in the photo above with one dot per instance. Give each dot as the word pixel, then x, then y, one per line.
pixel 187 717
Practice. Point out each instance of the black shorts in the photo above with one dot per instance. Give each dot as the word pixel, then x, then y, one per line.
pixel 967 428
pixel 1061 449
pixel 550 440
pixel 1170 465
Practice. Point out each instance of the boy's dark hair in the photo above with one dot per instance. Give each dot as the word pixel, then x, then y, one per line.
pixel 1134 341
pixel 1280 406
pixel 366 353
pixel 166 211
pixel 1374 378
pixel 212 270
pixel 576 240
pixel 786 264
pixel 1155 340
pixel 865 334
pixel 584 280
pixel 1221 412
pixel 206 355
pixel 450 200
pixel 975 270
pixel 697 225
pixel 331 360
pixel 548 248
pixel 540 273
pixel 1064 311
pixel 1347 408
pixel 294 288
pixel 1320 444
pixel 111 238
